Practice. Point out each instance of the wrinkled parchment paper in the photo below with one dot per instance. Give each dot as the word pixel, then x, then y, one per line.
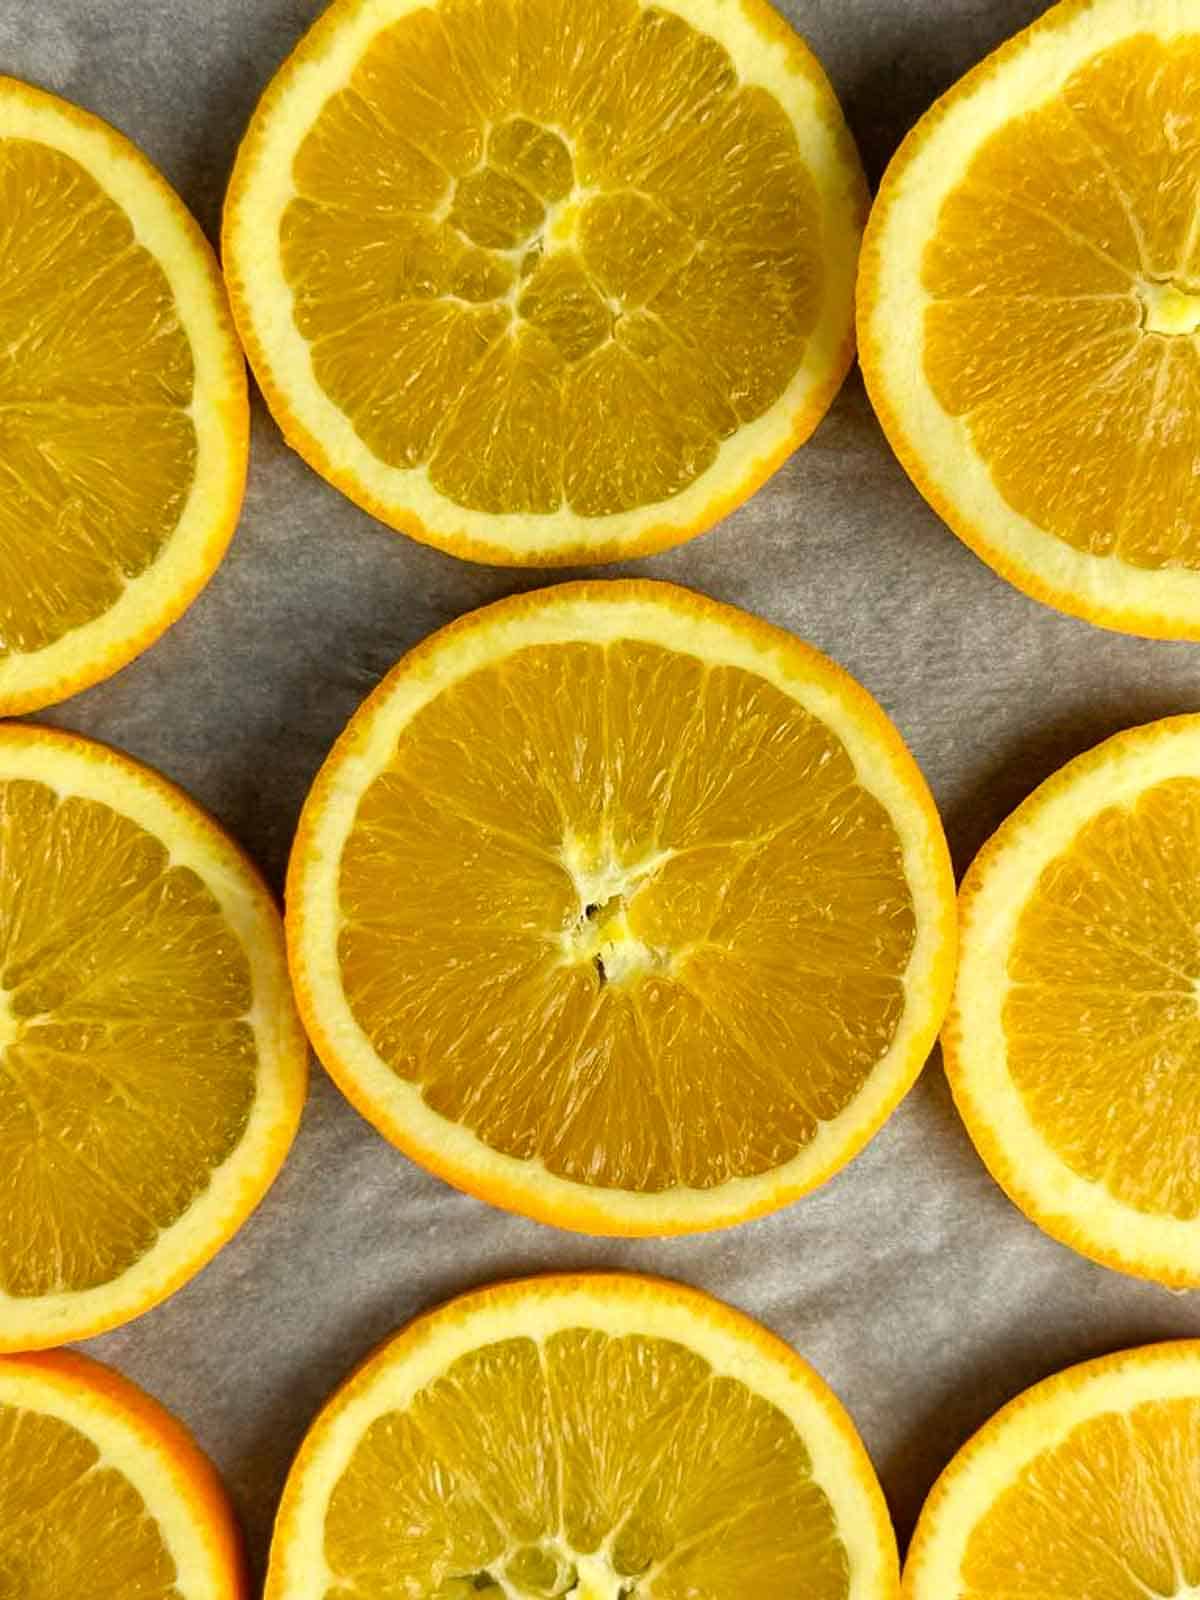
pixel 910 1282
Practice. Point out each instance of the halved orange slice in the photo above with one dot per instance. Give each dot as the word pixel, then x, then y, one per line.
pixel 622 908
pixel 1029 311
pixel 1073 1042
pixel 545 281
pixel 105 1494
pixel 123 418
pixel 152 1066
pixel 589 1437
pixel 1083 1485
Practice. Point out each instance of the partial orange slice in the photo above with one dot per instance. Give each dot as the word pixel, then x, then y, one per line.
pixel 123 416
pixel 623 909
pixel 1073 1042
pixel 590 1437
pixel 545 281
pixel 105 1494
pixel 152 1067
pixel 1081 1486
pixel 1029 311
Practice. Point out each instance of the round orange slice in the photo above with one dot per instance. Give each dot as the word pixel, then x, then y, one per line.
pixel 105 1494
pixel 123 415
pixel 623 909
pixel 589 1437
pixel 547 281
pixel 1073 1040
pixel 152 1066
pixel 1029 311
pixel 1083 1485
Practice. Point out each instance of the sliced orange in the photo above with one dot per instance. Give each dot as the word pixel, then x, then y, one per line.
pixel 1029 311
pixel 545 281
pixel 591 1437
pixel 623 909
pixel 123 415
pixel 152 1066
pixel 1073 1041
pixel 1082 1486
pixel 105 1494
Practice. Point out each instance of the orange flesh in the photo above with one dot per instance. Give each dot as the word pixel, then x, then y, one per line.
pixel 522 1457
pixel 97 444
pixel 127 1063
pixel 70 1525
pixel 654 937
pixel 567 275
pixel 1110 1514
pixel 1065 285
pixel 1103 1019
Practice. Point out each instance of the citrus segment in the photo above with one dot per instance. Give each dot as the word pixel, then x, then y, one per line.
pixel 1101 954
pixel 1079 1486
pixel 1029 301
pixel 151 1067
pixel 117 348
pixel 470 245
pixel 103 1493
pixel 134 372
pixel 1076 1024
pixel 588 1437
pixel 731 883
pixel 623 908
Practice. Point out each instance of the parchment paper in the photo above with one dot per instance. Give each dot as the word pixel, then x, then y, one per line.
pixel 923 1297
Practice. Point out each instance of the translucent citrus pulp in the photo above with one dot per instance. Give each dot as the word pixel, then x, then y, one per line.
pixel 547 280
pixel 1074 1036
pixel 622 908
pixel 1029 311
pixel 103 1493
pixel 123 415
pixel 152 1066
pixel 1082 1486
pixel 586 1437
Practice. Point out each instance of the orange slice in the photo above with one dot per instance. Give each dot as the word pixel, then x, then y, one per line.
pixel 1080 1486
pixel 1074 1035
pixel 545 281
pixel 623 909
pixel 589 1437
pixel 152 1067
pixel 105 1494
pixel 1029 311
pixel 123 416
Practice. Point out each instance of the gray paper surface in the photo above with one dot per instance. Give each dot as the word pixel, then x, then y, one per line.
pixel 909 1281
